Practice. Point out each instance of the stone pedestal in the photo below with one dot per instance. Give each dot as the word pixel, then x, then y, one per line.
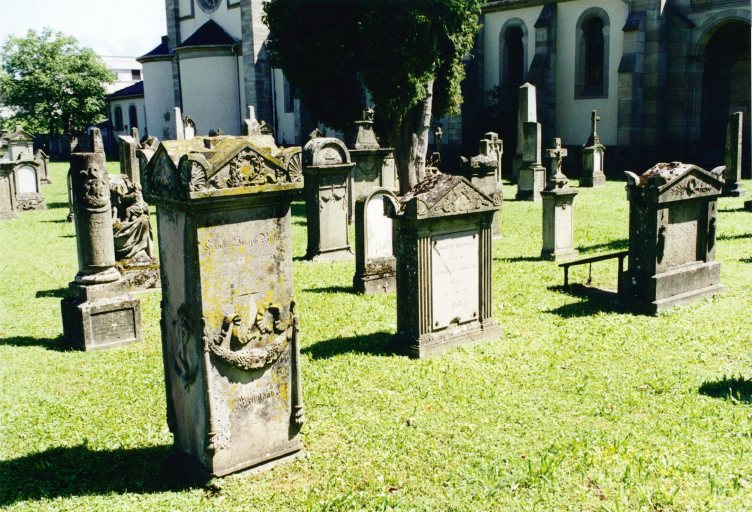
pixel 7 193
pixel 326 167
pixel 375 264
pixel 672 230
pixel 592 166
pixel 532 179
pixel 558 224
pixel 442 232
pixel 97 313
pixel 230 337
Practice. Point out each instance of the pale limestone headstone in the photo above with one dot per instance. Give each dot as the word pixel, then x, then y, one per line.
pixel 733 157
pixel 375 264
pixel 442 239
pixel 558 213
pixel 97 312
pixel 28 184
pixel 326 167
pixel 177 124
pixel 593 154
pixel 527 112
pixel 672 236
pixel 230 336
pixel 532 176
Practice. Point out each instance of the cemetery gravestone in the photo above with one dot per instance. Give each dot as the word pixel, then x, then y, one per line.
pixel 527 112
pixel 230 336
pixel 532 179
pixel 483 171
pixel 97 313
pixel 374 165
pixel 7 192
pixel 442 233
pixel 593 153
pixel 732 176
pixel 672 232
pixel 558 213
pixel 326 166
pixel 28 184
pixel 43 160
pixel 128 146
pixel 375 265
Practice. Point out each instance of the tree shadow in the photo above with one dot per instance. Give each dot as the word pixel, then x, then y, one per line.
pixel 56 221
pixel 57 204
pixel 597 300
pixel 80 471
pixel 736 389
pixel 60 293
pixel 331 289
pixel 746 260
pixel 613 245
pixel 58 344
pixel 734 237
pixel 732 210
pixel 516 259
pixel 375 344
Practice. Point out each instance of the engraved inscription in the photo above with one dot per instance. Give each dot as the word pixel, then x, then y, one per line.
pixel 378 229
pixel 237 241
pixel 455 278
pixel 111 326
pixel 247 401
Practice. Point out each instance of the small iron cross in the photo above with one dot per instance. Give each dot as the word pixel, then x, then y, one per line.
pixel 556 155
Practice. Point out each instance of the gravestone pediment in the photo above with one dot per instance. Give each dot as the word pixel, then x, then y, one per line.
pixel 676 181
pixel 323 151
pixel 190 169
pixel 20 136
pixel 443 195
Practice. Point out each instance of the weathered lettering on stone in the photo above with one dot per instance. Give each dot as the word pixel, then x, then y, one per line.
pixel 455 278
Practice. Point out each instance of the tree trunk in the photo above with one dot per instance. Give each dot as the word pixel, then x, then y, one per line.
pixel 410 138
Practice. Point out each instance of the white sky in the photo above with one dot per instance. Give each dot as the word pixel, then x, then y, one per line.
pixel 110 27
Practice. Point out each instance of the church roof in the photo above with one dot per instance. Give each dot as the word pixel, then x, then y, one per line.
pixel 163 49
pixel 136 89
pixel 209 34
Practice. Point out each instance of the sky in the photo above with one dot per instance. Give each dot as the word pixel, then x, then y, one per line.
pixel 126 28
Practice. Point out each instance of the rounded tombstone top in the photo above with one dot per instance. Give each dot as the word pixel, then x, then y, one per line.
pixel 323 151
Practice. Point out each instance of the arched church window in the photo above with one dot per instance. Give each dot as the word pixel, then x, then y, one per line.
pixel 591 59
pixel 513 44
pixel 118 121
pixel 133 116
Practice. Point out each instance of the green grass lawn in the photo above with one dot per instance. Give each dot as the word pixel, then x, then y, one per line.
pixel 579 406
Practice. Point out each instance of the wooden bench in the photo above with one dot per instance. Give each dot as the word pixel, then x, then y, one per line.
pixel 621 255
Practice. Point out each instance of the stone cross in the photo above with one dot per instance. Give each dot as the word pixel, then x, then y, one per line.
pixel 556 156
pixel 250 125
pixel 593 139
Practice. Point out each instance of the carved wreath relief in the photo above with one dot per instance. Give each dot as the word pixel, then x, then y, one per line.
pixel 96 192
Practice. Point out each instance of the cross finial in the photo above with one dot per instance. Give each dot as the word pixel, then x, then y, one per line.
pixel 594 118
pixel 556 155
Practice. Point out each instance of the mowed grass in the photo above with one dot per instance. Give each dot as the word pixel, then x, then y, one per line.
pixel 579 406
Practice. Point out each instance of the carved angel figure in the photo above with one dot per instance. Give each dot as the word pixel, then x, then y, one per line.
pixel 130 221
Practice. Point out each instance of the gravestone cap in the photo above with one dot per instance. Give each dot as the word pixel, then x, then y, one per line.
pixel 666 182
pixel 325 151
pixel 442 195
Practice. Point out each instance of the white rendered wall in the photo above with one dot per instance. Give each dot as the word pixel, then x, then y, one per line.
pixel 209 88
pixel 228 19
pixel 573 115
pixel 493 22
pixel 159 98
pixel 125 104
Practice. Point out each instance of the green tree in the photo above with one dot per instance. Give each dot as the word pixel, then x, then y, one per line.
pixel 51 84
pixel 406 53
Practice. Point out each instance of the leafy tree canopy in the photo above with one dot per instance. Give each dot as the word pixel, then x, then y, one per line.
pixel 51 84
pixel 406 53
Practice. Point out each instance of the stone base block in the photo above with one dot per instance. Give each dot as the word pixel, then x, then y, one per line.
pixel 437 342
pixel 9 214
pixel 342 253
pixel 732 190
pixel 560 255
pixel 101 323
pixel 685 298
pixel 531 183
pixel 592 180
pixel 31 202
pixel 140 276
pixel 375 283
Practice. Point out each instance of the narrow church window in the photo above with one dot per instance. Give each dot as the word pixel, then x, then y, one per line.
pixel 289 105
pixel 594 56
pixel 591 58
pixel 515 58
pixel 133 116
pixel 118 122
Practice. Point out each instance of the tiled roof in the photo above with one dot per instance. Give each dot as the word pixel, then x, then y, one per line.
pixel 136 89
pixel 209 34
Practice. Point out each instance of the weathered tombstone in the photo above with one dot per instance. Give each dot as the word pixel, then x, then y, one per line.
pixel 326 166
pixel 28 184
pixel 43 160
pixel 97 313
pixel 20 145
pixel 189 128
pixel 593 153
pixel 91 143
pixel 145 151
pixel 482 171
pixel 250 125
pixel 374 165
pixel 177 124
pixel 131 229
pixel 527 112
pixel 442 233
pixel 7 192
pixel 732 176
pixel 532 176
pixel 558 214
pixel 375 265
pixel 128 144
pixel 229 325
pixel 672 230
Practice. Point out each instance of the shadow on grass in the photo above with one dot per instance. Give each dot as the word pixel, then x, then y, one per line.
pixel 331 289
pixel 746 260
pixel 79 471
pixel 57 204
pixel 376 344
pixel 58 344
pixel 615 245
pixel 732 210
pixel 298 210
pixel 518 259
pixel 734 237
pixel 596 300
pixel 56 221
pixel 60 293
pixel 736 389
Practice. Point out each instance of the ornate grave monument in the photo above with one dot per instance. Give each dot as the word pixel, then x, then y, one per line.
pixel 326 166
pixel 442 233
pixel 532 179
pixel 484 171
pixel 672 229
pixel 558 218
pixel 374 165
pixel 375 265
pixel 593 153
pixel 98 313
pixel 26 178
pixel 732 175
pixel 229 327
